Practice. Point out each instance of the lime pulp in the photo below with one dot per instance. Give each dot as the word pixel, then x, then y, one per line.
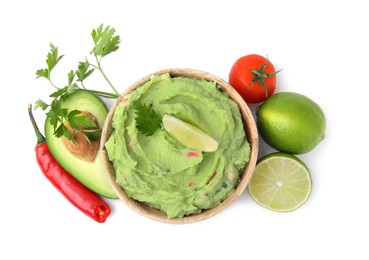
pixel 189 135
pixel 281 182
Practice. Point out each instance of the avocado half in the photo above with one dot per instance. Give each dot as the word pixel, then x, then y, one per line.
pixel 90 174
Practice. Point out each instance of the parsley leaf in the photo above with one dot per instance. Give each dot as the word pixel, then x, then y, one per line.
pixel 78 120
pixel 71 75
pixel 83 70
pixel 82 122
pixel 105 41
pixel 43 105
pixel 52 59
pixel 43 73
pixel 147 120
pixel 60 92
pixel 92 135
pixel 62 130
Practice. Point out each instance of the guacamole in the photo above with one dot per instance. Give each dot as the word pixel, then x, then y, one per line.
pixel 163 173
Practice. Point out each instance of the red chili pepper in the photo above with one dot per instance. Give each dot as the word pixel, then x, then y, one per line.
pixel 79 195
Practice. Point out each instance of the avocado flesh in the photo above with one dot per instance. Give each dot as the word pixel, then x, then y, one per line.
pixel 90 174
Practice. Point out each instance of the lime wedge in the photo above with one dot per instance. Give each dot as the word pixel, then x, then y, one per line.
pixel 281 182
pixel 189 135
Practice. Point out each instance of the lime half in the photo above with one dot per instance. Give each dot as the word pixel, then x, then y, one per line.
pixel 281 182
pixel 189 135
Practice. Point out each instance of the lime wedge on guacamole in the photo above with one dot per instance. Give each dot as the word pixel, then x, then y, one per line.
pixel 189 135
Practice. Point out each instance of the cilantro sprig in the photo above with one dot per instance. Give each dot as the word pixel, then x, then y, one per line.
pixel 147 120
pixel 105 42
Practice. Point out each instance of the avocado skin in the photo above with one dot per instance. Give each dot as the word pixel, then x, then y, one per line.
pixel 90 174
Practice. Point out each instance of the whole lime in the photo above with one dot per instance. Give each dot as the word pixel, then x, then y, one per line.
pixel 291 122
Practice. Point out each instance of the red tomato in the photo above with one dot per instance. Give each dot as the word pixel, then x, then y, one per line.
pixel 254 77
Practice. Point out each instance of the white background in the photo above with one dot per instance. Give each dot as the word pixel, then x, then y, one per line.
pixel 322 47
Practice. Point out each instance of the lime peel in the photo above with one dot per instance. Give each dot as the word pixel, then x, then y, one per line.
pixel 189 135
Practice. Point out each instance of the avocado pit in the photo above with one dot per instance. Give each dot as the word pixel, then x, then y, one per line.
pixel 81 147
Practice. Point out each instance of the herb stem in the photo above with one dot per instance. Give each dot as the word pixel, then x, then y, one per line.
pixel 83 85
pixel 106 78
pixel 105 94
pixel 52 84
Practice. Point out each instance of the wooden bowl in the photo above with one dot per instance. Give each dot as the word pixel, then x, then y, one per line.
pixel 250 129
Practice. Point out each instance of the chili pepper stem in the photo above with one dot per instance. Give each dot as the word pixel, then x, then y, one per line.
pixel 40 138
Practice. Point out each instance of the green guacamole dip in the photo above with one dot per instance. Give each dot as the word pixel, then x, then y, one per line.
pixel 163 173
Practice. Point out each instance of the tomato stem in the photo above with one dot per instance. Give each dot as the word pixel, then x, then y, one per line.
pixel 260 76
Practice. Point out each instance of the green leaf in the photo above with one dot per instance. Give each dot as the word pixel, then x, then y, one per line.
pixel 92 135
pixel 71 88
pixel 71 75
pixel 59 92
pixel 147 120
pixel 44 73
pixel 51 60
pixel 53 57
pixel 59 131
pixel 83 70
pixel 104 40
pixel 53 117
pixel 73 119
pixel 67 134
pixel 111 45
pixel 62 130
pixel 41 104
pixel 58 110
pixel 78 120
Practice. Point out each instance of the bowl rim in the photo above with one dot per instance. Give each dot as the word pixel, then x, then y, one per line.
pixel 250 130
